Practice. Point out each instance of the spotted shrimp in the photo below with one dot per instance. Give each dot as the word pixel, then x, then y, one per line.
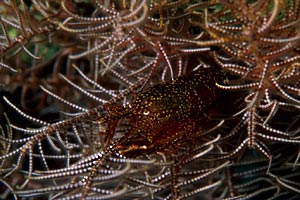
pixel 163 116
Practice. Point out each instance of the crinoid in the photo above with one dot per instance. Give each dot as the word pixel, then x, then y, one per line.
pixel 170 99
pixel 257 43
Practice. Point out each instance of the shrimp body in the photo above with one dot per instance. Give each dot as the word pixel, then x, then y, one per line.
pixel 164 115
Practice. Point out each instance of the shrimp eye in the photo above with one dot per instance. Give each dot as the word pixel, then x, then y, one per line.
pixel 146 112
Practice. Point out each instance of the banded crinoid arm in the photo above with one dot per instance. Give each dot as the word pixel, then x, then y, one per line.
pixel 66 144
pixel 257 44
pixel 247 179
pixel 120 34
pixel 25 27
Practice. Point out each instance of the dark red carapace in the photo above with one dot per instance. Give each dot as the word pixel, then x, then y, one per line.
pixel 164 115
